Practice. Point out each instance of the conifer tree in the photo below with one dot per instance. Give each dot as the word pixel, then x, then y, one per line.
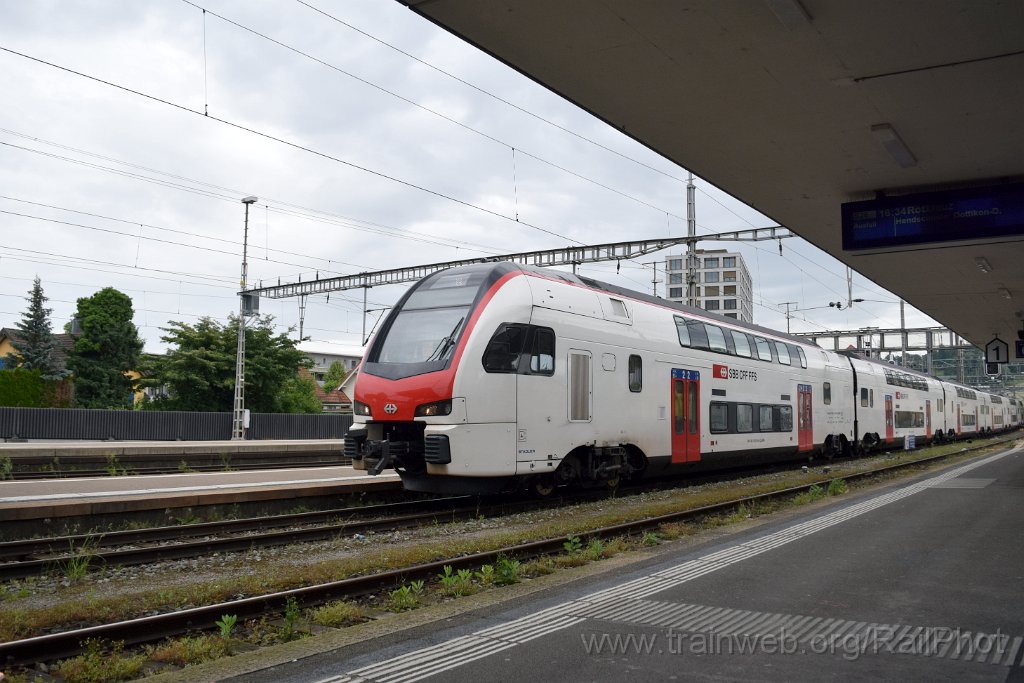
pixel 36 348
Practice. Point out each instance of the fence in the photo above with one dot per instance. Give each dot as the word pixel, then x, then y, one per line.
pixel 145 425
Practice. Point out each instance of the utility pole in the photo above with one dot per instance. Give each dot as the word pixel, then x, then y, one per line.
pixel 238 421
pixel 903 337
pixel 654 277
pixel 302 314
pixel 849 286
pixel 691 244
pixel 787 304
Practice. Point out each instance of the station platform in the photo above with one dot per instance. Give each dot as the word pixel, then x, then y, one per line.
pixel 51 449
pixel 30 460
pixel 113 498
pixel 910 581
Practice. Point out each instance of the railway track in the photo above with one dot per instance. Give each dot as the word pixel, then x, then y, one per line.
pixel 32 557
pixel 152 628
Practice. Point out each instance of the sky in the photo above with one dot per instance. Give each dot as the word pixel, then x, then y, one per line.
pixel 130 132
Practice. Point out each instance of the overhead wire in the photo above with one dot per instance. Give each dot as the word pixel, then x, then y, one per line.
pixel 298 211
pixel 293 145
pixel 423 107
pixel 490 94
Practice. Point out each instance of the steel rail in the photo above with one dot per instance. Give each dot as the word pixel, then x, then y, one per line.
pixel 152 628
pixel 34 546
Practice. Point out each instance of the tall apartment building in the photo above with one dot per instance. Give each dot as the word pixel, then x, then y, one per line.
pixel 723 283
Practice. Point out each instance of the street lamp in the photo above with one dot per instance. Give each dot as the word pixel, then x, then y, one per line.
pixel 239 423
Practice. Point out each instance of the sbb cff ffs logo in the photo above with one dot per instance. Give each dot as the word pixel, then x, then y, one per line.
pixel 721 371
pixel 390 408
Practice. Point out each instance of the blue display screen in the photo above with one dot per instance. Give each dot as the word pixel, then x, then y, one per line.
pixel 975 214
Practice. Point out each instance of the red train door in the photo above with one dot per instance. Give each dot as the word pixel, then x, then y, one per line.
pixel 685 416
pixel 927 419
pixel 888 419
pixel 805 418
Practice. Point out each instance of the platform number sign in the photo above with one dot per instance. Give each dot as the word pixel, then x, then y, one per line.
pixel 997 351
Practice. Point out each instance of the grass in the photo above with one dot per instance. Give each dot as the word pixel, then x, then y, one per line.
pixel 337 614
pixel 114 467
pixel 99 664
pixel 76 566
pixel 71 611
pixel 191 650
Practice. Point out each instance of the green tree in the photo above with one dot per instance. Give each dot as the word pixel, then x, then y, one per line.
pixel 298 395
pixel 107 348
pixel 35 347
pixel 336 374
pixel 199 368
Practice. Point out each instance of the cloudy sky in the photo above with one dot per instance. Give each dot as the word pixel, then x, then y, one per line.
pixel 373 140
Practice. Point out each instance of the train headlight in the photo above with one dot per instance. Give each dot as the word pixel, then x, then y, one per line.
pixel 360 408
pixel 434 409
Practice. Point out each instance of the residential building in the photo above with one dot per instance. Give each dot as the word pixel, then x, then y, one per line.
pixel 723 283
pixel 9 336
pixel 323 355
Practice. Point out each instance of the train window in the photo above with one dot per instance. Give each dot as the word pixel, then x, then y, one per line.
pixel 542 352
pixel 502 352
pixel 783 351
pixel 719 418
pixel 784 418
pixel 579 387
pixel 693 401
pixel 801 356
pixel 826 393
pixel 741 342
pixel 863 397
pixel 698 335
pixel 938 404
pixel 744 417
pixel 678 415
pixel 871 397
pixel 764 351
pixel 764 418
pixel 619 308
pixel 682 331
pixel 906 419
pixel 716 338
pixel 636 374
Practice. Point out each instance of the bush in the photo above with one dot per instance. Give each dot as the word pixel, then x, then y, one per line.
pixel 23 389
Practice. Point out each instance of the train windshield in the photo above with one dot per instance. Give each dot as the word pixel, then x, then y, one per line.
pixel 421 336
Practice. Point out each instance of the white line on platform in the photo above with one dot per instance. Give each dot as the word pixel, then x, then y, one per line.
pixel 183 489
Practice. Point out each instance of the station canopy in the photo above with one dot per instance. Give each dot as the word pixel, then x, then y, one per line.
pixel 797 107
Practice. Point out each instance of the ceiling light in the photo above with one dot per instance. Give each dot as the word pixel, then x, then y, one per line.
pixel 1005 293
pixel 790 13
pixel 983 264
pixel 894 145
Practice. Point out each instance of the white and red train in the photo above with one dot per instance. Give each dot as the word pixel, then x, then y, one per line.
pixel 496 376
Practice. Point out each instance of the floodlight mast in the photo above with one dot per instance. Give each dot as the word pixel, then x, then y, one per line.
pixel 238 421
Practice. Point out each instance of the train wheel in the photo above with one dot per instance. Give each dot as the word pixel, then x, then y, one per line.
pixel 542 486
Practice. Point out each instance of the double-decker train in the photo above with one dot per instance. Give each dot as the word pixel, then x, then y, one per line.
pixel 496 377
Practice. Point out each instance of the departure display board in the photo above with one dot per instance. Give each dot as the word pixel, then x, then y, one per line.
pixel 971 214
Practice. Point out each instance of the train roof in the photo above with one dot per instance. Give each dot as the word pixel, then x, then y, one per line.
pixel 665 303
pixel 900 368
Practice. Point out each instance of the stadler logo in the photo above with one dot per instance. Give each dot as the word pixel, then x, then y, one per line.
pixel 721 371
pixel 390 408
